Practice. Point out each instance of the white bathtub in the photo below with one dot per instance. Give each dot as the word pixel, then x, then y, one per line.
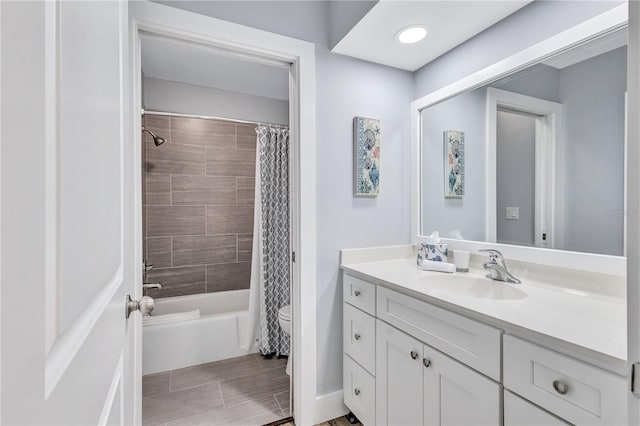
pixel 216 335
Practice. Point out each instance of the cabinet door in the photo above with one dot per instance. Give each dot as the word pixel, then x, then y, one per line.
pixel 399 391
pixel 455 394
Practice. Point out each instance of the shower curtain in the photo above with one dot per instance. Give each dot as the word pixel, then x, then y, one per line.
pixel 270 263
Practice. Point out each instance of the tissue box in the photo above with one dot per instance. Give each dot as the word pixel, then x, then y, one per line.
pixel 436 252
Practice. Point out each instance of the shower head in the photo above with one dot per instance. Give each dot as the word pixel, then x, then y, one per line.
pixel 157 140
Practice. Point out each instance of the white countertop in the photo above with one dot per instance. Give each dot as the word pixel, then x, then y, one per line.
pixel 595 320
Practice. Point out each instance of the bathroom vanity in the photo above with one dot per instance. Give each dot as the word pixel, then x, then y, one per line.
pixel 438 349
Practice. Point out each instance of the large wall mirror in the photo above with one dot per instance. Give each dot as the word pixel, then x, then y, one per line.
pixel 533 158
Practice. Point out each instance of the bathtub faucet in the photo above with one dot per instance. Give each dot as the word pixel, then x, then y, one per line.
pixel 146 287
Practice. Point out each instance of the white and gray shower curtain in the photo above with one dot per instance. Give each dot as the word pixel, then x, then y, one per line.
pixel 271 267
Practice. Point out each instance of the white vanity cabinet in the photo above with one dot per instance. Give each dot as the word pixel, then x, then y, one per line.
pixel 393 375
pixel 418 385
pixel 410 362
pixel 576 391
pixel 358 341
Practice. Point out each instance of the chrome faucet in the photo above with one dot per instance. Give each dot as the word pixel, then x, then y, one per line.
pixel 498 268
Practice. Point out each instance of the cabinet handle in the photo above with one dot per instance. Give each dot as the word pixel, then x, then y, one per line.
pixel 356 293
pixel 356 391
pixel 414 355
pixel 356 336
pixel 561 387
pixel 426 362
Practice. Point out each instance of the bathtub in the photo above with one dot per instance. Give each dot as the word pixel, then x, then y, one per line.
pixel 216 335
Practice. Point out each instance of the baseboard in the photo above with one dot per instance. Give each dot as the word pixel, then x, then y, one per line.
pixel 329 406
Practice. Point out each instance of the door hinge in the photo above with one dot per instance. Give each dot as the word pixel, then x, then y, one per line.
pixel 293 256
pixel 635 379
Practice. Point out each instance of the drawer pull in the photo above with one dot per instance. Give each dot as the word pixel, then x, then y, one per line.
pixel 426 362
pixel 356 336
pixel 561 387
pixel 357 293
pixel 414 355
pixel 356 391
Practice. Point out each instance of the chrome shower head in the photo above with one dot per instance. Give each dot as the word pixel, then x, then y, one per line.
pixel 157 140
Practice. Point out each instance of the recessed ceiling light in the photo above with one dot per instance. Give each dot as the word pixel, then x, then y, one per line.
pixel 411 34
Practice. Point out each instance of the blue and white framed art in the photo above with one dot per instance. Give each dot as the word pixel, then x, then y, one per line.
pixel 453 164
pixel 366 157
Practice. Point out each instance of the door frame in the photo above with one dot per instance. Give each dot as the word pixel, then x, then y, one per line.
pixel 548 142
pixel 633 205
pixel 252 43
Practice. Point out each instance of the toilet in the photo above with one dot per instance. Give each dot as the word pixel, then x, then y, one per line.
pixel 284 318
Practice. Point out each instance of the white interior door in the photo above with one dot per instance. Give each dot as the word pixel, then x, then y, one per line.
pixel 67 258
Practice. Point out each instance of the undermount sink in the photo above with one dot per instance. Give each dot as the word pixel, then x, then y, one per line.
pixel 480 288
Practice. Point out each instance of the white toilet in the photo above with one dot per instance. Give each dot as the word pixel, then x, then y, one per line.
pixel 284 318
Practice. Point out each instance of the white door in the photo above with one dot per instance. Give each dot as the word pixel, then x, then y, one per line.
pixel 633 205
pixel 67 260
pixel 398 377
pixel 457 395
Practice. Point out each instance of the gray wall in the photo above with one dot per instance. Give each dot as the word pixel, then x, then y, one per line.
pixel 515 171
pixel 467 112
pixel 170 96
pixel 590 217
pixel 539 81
pixel 592 93
pixel 466 214
pixel 531 24
pixel 346 88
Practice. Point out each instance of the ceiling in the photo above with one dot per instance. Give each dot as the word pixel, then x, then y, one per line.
pixel 189 63
pixel 449 23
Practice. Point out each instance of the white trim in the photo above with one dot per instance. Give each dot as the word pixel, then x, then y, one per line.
pixel 329 406
pixel 52 180
pixel 633 199
pixel 548 135
pixel 251 42
pixel 626 183
pixel 605 23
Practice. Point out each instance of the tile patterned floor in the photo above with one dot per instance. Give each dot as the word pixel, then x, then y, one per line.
pixel 248 390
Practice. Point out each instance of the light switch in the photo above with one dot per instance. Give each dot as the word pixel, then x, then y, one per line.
pixel 513 213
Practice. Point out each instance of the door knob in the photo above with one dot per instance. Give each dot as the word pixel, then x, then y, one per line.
pixel 414 355
pixel 145 305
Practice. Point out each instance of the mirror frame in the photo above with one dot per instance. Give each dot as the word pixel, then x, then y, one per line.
pixel 605 23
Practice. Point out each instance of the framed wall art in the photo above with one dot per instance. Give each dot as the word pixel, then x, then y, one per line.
pixel 453 164
pixel 366 157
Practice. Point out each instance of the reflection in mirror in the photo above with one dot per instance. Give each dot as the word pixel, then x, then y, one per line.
pixel 543 155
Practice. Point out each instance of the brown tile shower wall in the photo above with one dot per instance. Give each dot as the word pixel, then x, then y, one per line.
pixel 198 193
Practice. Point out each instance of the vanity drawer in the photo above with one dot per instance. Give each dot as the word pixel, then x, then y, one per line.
pixel 571 389
pixel 518 412
pixel 359 391
pixel 466 340
pixel 359 293
pixel 359 337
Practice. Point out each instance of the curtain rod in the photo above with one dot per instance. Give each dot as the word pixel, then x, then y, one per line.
pixel 209 117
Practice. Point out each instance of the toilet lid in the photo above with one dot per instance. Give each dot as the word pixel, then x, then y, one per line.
pixel 285 312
